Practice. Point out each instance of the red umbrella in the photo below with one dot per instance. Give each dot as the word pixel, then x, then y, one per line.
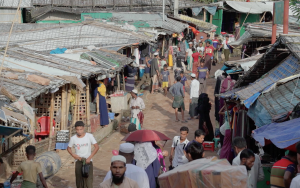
pixel 145 136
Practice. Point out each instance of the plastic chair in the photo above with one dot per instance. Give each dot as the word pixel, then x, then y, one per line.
pixel 44 123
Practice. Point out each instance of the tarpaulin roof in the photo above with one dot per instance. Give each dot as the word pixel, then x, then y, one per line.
pixel 263 30
pixel 287 68
pixel 282 135
pixel 277 102
pixel 251 7
pixel 6 131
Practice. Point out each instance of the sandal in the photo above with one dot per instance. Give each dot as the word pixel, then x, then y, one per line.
pixel 185 121
pixel 177 120
pixel 190 118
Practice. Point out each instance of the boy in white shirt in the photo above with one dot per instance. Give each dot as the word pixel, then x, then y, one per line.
pixel 82 143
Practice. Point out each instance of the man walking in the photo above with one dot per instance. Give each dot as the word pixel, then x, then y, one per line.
pixel 178 99
pixel 146 77
pixel 82 142
pixel 132 171
pixel 118 179
pixel 256 174
pixel 177 156
pixel 194 95
pixel 154 72
pixel 208 54
pixel 202 75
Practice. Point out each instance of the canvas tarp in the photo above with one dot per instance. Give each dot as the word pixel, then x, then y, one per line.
pixel 251 7
pixel 282 135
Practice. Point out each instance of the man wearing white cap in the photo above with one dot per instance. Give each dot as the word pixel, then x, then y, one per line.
pixel 188 57
pixel 194 95
pixel 132 171
pixel 154 72
pixel 136 105
pixel 118 179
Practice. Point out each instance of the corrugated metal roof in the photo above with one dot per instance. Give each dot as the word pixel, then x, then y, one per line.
pixel 139 20
pixel 8 15
pixel 51 64
pixel 15 3
pixel 28 89
pixel 74 36
pixel 144 4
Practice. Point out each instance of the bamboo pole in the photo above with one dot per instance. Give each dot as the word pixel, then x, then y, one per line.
pixel 244 22
pixel 204 15
pixel 211 18
pixel 68 107
pixel 262 17
pixel 123 81
pixel 88 110
pixel 11 29
pixel 51 120
pixel 163 46
pixel 32 124
pixel 63 108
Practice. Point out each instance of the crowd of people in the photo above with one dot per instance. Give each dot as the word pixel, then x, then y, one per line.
pixel 139 164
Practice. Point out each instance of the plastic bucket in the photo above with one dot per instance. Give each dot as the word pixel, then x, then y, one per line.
pixel 142 72
pixel 111 115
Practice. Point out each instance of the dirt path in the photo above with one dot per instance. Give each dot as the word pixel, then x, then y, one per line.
pixel 159 115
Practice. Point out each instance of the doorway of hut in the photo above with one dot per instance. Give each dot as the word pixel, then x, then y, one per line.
pixel 229 18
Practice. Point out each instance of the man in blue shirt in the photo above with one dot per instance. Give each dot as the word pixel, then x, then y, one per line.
pixel 146 77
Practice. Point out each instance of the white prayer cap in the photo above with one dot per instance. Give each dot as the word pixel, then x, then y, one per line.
pixel 156 53
pixel 134 91
pixel 126 148
pixel 190 42
pixel 193 75
pixel 118 158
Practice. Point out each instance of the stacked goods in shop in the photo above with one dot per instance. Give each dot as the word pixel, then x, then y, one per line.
pixel 62 136
pixel 205 173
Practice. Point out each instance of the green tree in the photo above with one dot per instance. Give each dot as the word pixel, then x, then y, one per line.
pixel 295 7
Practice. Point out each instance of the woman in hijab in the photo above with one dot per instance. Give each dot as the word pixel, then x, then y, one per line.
pixel 102 104
pixel 204 107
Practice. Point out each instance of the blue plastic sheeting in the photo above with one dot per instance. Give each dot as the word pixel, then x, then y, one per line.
pixel 58 51
pixel 6 131
pixel 287 68
pixel 211 10
pixel 196 11
pixel 258 113
pixel 281 135
pixel 251 100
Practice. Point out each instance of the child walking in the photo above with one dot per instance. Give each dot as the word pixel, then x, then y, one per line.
pixel 165 74
pixel 30 169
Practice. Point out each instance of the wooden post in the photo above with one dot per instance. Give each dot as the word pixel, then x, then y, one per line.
pixel 123 81
pixel 32 123
pixel 204 15
pixel 74 113
pixel 163 46
pixel 63 108
pixel 68 105
pixel 211 18
pixel 51 120
pixel 78 105
pixel 88 110
pixel 118 79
